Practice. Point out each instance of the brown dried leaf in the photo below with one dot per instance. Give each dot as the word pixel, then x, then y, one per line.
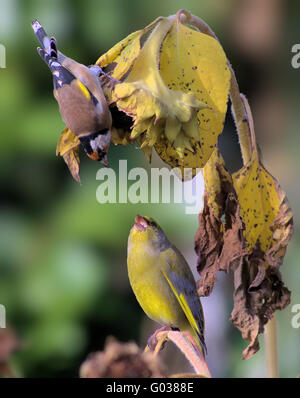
pixel 219 242
pixel 208 245
pixel 282 229
pixel 121 360
pixel 258 293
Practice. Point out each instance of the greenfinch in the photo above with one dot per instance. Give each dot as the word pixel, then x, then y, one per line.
pixel 162 280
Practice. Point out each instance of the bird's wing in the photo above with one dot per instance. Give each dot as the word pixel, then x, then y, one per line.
pixel 48 44
pixel 54 59
pixel 61 75
pixel 49 53
pixel 183 286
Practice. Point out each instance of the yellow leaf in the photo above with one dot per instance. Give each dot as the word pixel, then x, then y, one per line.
pixel 215 177
pixel 196 63
pixel 72 160
pixel 66 142
pixel 124 53
pixel 68 148
pixel 262 202
pixel 258 197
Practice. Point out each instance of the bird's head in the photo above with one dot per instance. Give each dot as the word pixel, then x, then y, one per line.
pixel 146 230
pixel 96 145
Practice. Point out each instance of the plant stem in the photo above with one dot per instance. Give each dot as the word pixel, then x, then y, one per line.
pixel 193 355
pixel 271 348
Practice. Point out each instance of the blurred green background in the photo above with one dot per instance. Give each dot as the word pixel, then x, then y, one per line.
pixel 63 276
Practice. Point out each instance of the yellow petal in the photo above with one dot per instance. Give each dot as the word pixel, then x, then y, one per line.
pixel 172 129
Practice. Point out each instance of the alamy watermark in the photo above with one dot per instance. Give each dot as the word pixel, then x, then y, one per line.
pixel 296 318
pixel 2 56
pixel 2 317
pixel 295 61
pixel 161 185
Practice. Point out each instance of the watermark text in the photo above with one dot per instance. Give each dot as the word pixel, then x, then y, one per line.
pixel 2 317
pixel 296 318
pixel 2 56
pixel 161 186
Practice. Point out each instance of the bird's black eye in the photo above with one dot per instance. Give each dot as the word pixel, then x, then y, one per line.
pixel 152 223
pixel 101 154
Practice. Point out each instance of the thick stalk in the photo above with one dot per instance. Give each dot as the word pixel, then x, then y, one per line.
pixel 271 348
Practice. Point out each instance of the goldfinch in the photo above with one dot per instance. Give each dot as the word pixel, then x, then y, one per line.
pixel 162 280
pixel 79 94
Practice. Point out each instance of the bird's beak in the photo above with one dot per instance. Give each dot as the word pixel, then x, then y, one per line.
pixel 104 161
pixel 140 223
pixel 94 155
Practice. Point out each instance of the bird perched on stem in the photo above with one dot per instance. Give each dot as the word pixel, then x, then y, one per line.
pixel 80 97
pixel 162 280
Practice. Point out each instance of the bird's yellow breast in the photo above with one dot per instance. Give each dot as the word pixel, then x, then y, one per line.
pixel 149 285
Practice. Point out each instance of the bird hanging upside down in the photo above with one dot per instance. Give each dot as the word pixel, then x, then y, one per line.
pixel 162 280
pixel 80 97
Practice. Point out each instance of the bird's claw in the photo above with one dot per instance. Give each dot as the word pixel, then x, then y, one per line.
pixel 108 80
pixel 155 339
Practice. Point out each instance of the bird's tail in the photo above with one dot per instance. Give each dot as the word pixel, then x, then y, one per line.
pixel 201 342
pixel 49 54
pixel 61 75
pixel 48 44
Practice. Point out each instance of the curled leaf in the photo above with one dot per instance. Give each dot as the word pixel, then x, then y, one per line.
pixel 219 241
pixel 258 293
